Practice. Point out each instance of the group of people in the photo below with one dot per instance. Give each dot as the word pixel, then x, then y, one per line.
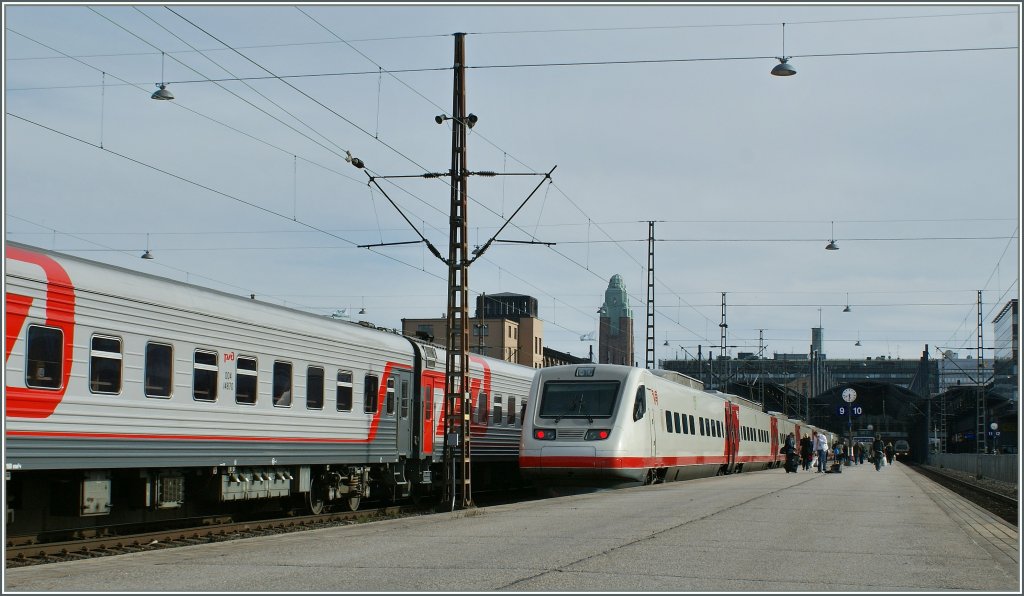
pixel 814 451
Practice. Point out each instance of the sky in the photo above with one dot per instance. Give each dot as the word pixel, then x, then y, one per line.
pixel 898 139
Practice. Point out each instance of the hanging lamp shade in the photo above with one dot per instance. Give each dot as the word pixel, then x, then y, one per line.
pixel 162 93
pixel 831 245
pixel 783 68
pixel 147 255
pixel 847 309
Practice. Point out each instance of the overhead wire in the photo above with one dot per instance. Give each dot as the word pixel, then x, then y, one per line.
pixel 586 267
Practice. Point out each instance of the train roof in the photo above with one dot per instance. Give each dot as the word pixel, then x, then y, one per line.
pixel 95 276
pixel 677 377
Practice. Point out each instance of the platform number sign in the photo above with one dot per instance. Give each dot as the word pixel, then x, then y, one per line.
pixel 852 410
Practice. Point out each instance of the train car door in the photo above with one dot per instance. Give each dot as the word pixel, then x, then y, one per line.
pixel 654 424
pixel 775 438
pixel 403 382
pixel 732 434
pixel 425 417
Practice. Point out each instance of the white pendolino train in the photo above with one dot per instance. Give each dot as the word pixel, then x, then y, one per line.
pixel 131 397
pixel 608 425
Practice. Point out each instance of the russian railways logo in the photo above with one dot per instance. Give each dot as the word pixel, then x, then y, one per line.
pixel 59 313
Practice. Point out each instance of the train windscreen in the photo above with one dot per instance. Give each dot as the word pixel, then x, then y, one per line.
pixel 578 399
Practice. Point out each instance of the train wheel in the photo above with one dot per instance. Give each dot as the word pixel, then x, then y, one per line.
pixel 649 478
pixel 317 497
pixel 353 502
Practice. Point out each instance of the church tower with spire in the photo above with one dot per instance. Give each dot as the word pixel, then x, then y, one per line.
pixel 615 342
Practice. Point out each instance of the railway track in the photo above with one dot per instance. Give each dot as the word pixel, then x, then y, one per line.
pixel 36 550
pixel 998 503
pixel 26 550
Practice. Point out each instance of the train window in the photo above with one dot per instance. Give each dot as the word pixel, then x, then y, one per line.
pixel 640 403
pixel 404 400
pixel 204 376
pixel 482 408
pixel 511 411
pixel 522 412
pixel 314 388
pixel 686 430
pixel 389 396
pixel 675 417
pixel 344 391
pixel 45 350
pixel 578 399
pixel 105 364
pixel 245 380
pixel 701 420
pixel 370 386
pixel 718 425
pixel 497 411
pixel 282 388
pixel 158 366
pixel 668 421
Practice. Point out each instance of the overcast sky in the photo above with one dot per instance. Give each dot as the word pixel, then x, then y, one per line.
pixel 899 138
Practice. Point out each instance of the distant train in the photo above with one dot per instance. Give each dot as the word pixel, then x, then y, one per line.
pixel 131 397
pixel 604 425
pixel 902 448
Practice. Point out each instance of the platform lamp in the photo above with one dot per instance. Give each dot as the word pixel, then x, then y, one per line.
pixel 783 68
pixel 147 255
pixel 162 93
pixel 832 239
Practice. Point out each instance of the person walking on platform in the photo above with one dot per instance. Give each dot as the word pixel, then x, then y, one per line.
pixel 789 450
pixel 890 453
pixel 878 452
pixel 858 453
pixel 806 451
pixel 821 446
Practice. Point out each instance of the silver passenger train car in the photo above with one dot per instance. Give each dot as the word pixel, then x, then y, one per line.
pixel 605 425
pixel 131 397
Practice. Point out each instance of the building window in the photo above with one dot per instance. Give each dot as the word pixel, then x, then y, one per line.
pixel 344 391
pixel 158 367
pixel 204 376
pixel 245 380
pixel 105 365
pixel 45 350
pixel 314 388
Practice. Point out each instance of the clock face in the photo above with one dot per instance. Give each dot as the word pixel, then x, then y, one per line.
pixel 849 395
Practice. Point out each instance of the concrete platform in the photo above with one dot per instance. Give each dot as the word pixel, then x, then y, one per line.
pixel 859 531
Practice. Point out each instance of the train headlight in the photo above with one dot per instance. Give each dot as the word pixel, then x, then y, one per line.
pixel 543 434
pixel 597 434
